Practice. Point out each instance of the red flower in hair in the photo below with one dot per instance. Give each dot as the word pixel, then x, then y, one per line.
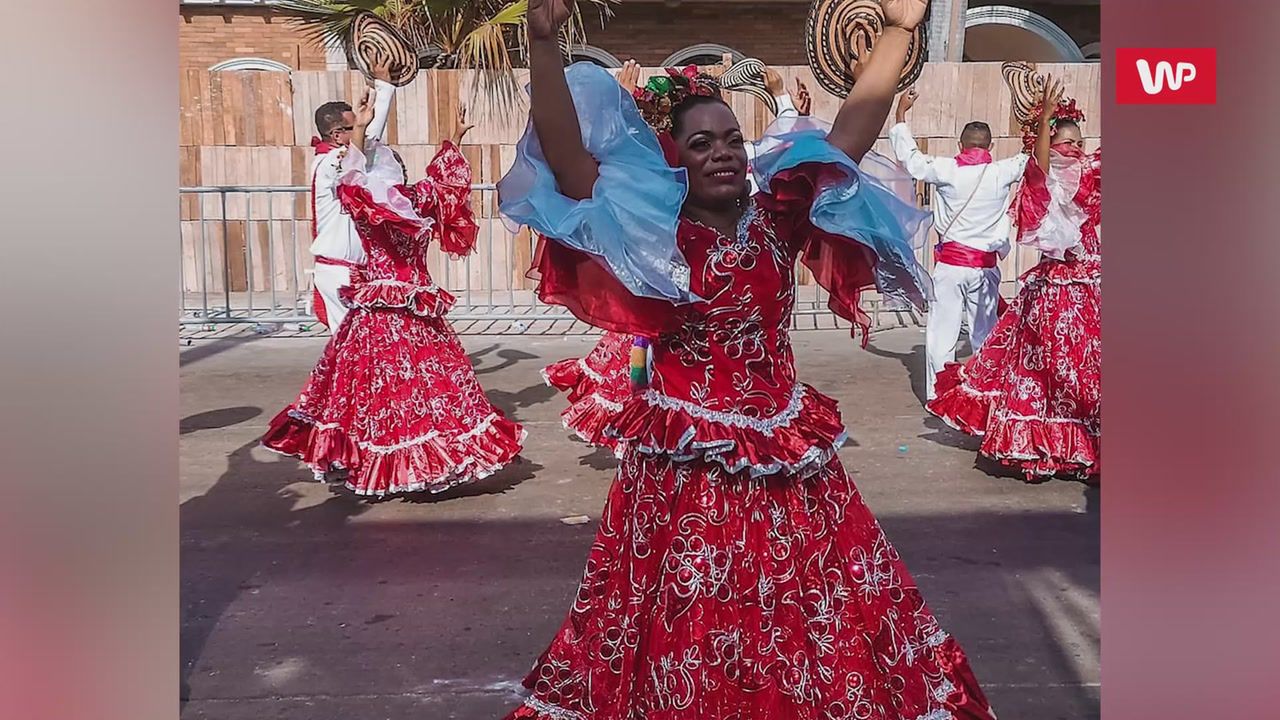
pixel 663 92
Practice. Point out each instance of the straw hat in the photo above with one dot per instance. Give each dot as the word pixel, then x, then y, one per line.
pixel 373 41
pixel 830 34
pixel 747 76
pixel 1025 87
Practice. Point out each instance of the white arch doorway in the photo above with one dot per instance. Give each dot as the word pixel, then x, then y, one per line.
pixel 701 54
pixel 996 33
pixel 591 53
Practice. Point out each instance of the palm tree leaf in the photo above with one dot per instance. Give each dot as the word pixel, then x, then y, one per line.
pixel 328 22
pixel 478 35
pixel 487 49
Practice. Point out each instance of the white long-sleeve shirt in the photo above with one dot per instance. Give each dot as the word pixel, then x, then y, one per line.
pixel 984 224
pixel 336 235
pixel 786 108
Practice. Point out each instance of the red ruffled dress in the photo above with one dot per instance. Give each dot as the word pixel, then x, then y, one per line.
pixel 737 572
pixel 1033 392
pixel 596 386
pixel 393 399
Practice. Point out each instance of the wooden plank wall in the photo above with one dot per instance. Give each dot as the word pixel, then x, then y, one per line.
pixel 254 128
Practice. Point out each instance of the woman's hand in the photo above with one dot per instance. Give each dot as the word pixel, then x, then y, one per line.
pixel 905 14
pixel 774 83
pixel 460 126
pixel 1044 133
pixel 906 101
pixel 1049 99
pixel 551 109
pixel 802 98
pixel 380 71
pixel 863 59
pixel 629 76
pixel 364 109
pixel 545 18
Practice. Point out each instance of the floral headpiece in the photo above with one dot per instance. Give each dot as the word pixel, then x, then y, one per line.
pixel 1066 110
pixel 663 92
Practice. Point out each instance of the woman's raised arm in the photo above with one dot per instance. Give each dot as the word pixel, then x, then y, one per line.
pixel 550 104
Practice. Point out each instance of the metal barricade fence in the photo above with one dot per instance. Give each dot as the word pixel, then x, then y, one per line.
pixel 246 259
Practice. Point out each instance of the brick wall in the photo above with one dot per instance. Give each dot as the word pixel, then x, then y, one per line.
pixel 207 36
pixel 772 32
pixel 648 32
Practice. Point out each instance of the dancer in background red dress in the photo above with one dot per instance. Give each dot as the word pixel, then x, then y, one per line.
pixel 393 401
pixel 596 386
pixel 737 573
pixel 1033 392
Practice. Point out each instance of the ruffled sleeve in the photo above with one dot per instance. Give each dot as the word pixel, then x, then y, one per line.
pixel 1045 210
pixel 445 194
pixel 611 259
pixel 854 227
pixel 373 191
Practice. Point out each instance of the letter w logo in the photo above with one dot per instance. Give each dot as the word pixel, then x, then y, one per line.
pixel 1174 76
pixel 1165 74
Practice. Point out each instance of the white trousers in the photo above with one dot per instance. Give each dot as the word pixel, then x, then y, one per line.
pixel 328 279
pixel 961 293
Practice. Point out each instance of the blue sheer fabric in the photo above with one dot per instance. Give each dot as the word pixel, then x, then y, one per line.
pixel 630 221
pixel 631 218
pixel 873 205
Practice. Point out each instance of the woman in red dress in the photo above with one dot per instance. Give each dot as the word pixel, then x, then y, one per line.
pixel 393 401
pixel 596 385
pixel 1033 392
pixel 737 573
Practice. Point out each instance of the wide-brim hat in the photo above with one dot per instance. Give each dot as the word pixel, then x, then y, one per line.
pixel 1026 85
pixel 1026 90
pixel 747 76
pixel 830 42
pixel 374 41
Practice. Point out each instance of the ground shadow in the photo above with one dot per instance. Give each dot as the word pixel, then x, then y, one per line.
pixel 511 403
pixel 601 459
pixel 1007 585
pixel 249 494
pixel 997 469
pixel 208 349
pixel 454 611
pixel 1093 499
pixel 508 357
pixel 913 362
pixel 944 434
pixel 217 419
pixel 501 482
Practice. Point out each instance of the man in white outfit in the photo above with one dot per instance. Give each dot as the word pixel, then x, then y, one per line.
pixel 337 248
pixel 971 197
pixel 787 107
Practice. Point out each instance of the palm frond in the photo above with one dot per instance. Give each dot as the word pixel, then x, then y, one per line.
pixel 487 49
pixel 479 35
pixel 328 22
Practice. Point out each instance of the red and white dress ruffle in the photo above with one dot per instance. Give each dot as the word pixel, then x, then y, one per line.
pixel 1033 392
pixel 596 386
pixel 393 399
pixel 737 572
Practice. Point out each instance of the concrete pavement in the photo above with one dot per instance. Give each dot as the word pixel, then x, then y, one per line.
pixel 301 603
